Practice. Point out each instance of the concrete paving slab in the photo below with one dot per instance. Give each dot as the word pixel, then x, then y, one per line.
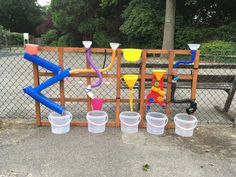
pixel 29 151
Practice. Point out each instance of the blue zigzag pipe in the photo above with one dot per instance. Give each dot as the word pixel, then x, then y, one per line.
pixel 193 52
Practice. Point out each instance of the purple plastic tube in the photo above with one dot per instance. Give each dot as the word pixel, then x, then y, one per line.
pixel 99 82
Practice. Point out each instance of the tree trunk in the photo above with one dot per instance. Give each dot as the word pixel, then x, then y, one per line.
pixel 169 27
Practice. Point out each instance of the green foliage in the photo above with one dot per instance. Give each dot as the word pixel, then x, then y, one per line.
pixel 207 13
pixel 102 39
pixel 188 34
pixel 146 167
pixel 79 21
pixel 66 40
pixel 143 23
pixel 137 23
pixel 15 39
pixel 51 37
pixel 8 38
pixel 211 46
pixel 91 25
pixel 219 51
pixel 106 3
pixel 20 16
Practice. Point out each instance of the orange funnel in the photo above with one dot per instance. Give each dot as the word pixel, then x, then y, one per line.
pixel 159 73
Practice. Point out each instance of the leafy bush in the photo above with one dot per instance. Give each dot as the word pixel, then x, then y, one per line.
pixel 102 39
pixel 15 39
pixel 66 40
pixel 219 51
pixel 10 38
pixel 143 24
pixel 190 34
pixel 51 37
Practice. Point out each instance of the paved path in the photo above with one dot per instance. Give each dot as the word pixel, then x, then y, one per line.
pixel 28 151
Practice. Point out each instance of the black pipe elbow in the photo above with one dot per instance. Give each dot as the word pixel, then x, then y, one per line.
pixel 193 105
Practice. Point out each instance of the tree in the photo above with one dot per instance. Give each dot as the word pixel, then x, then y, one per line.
pixel 78 21
pixel 169 27
pixel 46 25
pixel 85 20
pixel 20 15
pixel 207 13
pixel 143 23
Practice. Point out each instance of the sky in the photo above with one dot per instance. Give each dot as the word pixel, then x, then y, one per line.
pixel 44 2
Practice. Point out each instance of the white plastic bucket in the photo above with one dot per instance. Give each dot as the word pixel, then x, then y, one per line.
pixel 185 124
pixel 129 121
pixel 60 124
pixel 156 123
pixel 96 121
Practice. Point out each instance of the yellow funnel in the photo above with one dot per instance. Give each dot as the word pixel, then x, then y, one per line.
pixel 130 80
pixel 159 73
pixel 132 55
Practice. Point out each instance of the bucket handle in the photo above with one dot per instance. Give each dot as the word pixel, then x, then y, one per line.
pixel 156 126
pixel 49 119
pixel 194 126
pixel 97 123
pixel 131 125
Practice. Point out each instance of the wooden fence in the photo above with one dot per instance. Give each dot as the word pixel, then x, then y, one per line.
pixel 143 76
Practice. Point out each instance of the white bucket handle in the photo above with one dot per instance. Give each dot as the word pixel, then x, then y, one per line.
pixel 194 126
pixel 49 119
pixel 131 125
pixel 97 123
pixel 156 126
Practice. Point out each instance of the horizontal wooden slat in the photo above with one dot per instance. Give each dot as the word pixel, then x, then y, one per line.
pixel 48 49
pixel 85 100
pixel 80 75
pixel 156 51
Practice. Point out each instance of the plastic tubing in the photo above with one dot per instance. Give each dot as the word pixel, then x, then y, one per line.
pixel 131 99
pixel 101 70
pixel 99 82
pixel 53 80
pixel 193 106
pixel 43 63
pixel 193 52
pixel 44 100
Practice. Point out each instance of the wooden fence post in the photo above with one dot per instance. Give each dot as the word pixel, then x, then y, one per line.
pixel 169 83
pixel 118 74
pixel 62 86
pixel 195 75
pixel 142 87
pixel 37 104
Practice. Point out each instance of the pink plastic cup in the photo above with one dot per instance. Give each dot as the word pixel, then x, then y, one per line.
pixel 32 49
pixel 97 103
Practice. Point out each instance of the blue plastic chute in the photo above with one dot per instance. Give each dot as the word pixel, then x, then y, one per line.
pixel 193 52
pixel 43 63
pixel 44 100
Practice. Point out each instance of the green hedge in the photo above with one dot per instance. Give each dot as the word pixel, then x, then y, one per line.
pixel 219 51
pixel 10 38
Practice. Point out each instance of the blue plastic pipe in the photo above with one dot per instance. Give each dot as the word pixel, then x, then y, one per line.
pixel 193 52
pixel 52 80
pixel 44 100
pixel 43 63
